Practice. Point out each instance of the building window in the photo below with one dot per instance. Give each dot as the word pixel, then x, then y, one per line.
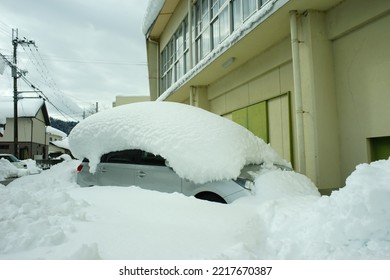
pixel 220 21
pixel 174 57
pixel 236 14
pixel 248 8
pixel 212 22
pixel 202 36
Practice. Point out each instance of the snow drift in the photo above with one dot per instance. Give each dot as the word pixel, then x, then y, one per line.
pixel 48 216
pixel 199 145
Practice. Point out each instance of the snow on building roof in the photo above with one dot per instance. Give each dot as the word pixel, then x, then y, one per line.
pixel 200 146
pixel 64 143
pixel 26 108
pixel 152 10
pixel 55 131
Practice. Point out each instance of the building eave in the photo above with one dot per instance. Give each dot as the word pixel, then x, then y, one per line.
pixel 162 19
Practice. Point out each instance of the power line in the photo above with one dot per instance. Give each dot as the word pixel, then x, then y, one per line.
pixel 18 73
pixel 5 29
pixel 42 95
pixel 40 66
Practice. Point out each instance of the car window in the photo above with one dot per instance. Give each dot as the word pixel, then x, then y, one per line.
pixel 133 157
pixel 151 159
pixel 10 158
pixel 126 156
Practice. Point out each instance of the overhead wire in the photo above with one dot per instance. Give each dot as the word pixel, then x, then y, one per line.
pixel 93 61
pixel 41 68
pixel 38 62
pixel 5 28
pixel 44 96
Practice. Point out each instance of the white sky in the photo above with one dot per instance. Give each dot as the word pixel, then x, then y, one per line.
pixel 93 50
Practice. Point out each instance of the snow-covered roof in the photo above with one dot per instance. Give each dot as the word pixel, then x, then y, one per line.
pixel 152 10
pixel 199 145
pixel 55 131
pixel 64 143
pixel 26 108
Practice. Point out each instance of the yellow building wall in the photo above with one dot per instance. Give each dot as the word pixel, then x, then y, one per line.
pixel 344 56
pixel 122 100
pixel 24 130
pixel 39 129
pixel 266 79
pixel 362 71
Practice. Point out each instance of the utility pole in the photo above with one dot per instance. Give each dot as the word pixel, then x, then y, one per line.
pixel 15 74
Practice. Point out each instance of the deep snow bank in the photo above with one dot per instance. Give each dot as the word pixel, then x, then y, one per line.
pixel 199 145
pixel 48 216
pixel 296 223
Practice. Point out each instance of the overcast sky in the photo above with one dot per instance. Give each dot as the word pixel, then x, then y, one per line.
pixel 93 50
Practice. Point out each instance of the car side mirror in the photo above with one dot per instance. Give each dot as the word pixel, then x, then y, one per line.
pixel 167 164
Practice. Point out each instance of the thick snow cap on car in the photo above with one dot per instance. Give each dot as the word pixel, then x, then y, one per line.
pixel 199 145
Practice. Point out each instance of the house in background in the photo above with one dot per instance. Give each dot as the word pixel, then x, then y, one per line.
pixel 32 121
pixel 58 142
pixel 3 121
pixel 309 77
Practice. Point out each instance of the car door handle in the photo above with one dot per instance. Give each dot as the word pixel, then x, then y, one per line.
pixel 103 170
pixel 141 174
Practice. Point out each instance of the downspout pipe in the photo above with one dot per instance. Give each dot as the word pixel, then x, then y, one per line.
pixel 301 158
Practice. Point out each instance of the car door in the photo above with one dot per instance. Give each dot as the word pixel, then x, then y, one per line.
pixel 117 168
pixel 152 173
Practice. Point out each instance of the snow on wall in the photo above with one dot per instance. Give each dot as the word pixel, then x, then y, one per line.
pixel 199 145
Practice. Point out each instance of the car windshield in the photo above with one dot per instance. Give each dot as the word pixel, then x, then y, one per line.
pixel 10 158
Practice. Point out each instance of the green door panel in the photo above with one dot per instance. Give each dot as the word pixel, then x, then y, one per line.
pixel 254 118
pixel 241 117
pixel 257 120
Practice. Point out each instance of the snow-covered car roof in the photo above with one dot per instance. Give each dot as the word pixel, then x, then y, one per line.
pixel 199 145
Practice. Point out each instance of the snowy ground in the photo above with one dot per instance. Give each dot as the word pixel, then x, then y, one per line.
pixel 48 216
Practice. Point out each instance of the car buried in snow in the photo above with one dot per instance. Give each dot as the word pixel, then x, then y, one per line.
pixel 148 171
pixel 14 161
pixel 170 147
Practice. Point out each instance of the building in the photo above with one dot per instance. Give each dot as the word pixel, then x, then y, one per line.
pixel 309 77
pixel 32 121
pixel 58 142
pixel 121 100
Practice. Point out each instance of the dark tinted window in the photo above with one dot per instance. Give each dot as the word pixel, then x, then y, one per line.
pixel 133 157
pixel 127 156
pixel 151 159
